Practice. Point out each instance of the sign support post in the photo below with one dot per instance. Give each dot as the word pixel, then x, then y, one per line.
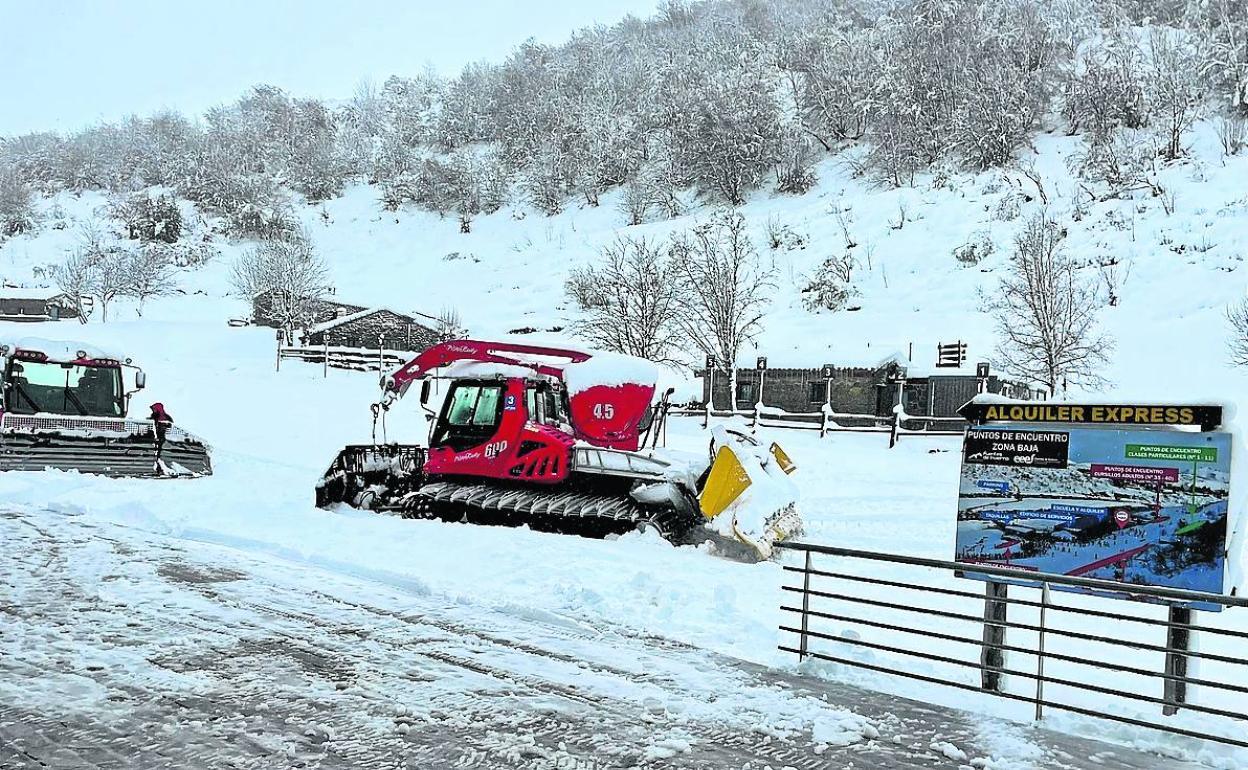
pixel 1178 644
pixel 991 656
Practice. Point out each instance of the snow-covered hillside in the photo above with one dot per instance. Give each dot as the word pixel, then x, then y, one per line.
pixel 1179 261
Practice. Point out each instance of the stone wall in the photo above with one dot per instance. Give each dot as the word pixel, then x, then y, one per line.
pixel 398 331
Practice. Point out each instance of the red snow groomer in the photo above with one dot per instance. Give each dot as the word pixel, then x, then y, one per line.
pixel 64 405
pixel 554 438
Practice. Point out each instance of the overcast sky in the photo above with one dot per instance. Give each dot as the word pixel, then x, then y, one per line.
pixel 68 63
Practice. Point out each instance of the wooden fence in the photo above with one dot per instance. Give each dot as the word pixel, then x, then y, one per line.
pixel 354 359
pixel 830 421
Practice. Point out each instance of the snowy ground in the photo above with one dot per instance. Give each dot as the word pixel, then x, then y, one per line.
pixel 129 649
pixel 274 432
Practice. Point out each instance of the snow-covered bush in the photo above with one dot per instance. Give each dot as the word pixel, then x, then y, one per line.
pixel 1103 88
pixel 976 250
pixel 798 154
pixel 831 286
pixel 1223 28
pixel 1237 317
pixel 17 207
pixel 148 218
pixel 832 75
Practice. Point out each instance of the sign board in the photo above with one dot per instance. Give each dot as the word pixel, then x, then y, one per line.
pixel 827 371
pixel 952 355
pixel 711 362
pixel 1000 487
pixel 761 365
pixel 981 371
pixel 1207 417
pixel 1137 506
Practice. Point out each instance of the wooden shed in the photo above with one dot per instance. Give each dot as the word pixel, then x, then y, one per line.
pixel 873 389
pixel 22 304
pixel 372 328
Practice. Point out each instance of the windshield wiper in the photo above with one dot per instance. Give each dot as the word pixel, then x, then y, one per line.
pixel 82 410
pixel 22 392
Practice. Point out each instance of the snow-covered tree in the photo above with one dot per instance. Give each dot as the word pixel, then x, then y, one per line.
pixel 1046 315
pixel 725 288
pixel 149 273
pixel 1237 316
pixel 290 273
pixel 628 300
pixel 1174 87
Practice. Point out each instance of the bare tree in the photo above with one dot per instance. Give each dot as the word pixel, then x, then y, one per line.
pixel 1046 315
pixel 724 288
pixel 1237 315
pixel 628 301
pixel 73 277
pixel 449 325
pixel 149 274
pixel 291 274
pixel 1174 87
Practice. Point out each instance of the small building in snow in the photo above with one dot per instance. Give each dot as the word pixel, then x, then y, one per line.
pixel 372 328
pixel 864 388
pixel 22 304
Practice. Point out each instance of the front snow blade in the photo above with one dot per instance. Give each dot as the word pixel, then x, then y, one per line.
pixel 118 456
pixel 369 476
pixel 748 494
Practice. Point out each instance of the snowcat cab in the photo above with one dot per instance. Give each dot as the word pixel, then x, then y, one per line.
pixel 64 405
pixel 552 438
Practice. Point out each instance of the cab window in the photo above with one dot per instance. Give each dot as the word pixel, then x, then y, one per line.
pixel 471 415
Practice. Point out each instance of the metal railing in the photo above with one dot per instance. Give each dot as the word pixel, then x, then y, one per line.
pixel 878 611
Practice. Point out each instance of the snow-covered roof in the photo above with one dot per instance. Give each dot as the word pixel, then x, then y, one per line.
pixel 348 318
pixel 33 293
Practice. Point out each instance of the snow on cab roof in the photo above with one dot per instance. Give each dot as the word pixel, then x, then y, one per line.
pixel 59 350
pixel 602 368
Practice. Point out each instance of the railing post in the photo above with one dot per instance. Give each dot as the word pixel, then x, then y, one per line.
pixel 805 608
pixel 1178 642
pixel 991 656
pixel 1044 606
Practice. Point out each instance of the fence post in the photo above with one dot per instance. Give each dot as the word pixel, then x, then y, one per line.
pixel 1178 642
pixel 1044 606
pixel 805 609
pixel 991 656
